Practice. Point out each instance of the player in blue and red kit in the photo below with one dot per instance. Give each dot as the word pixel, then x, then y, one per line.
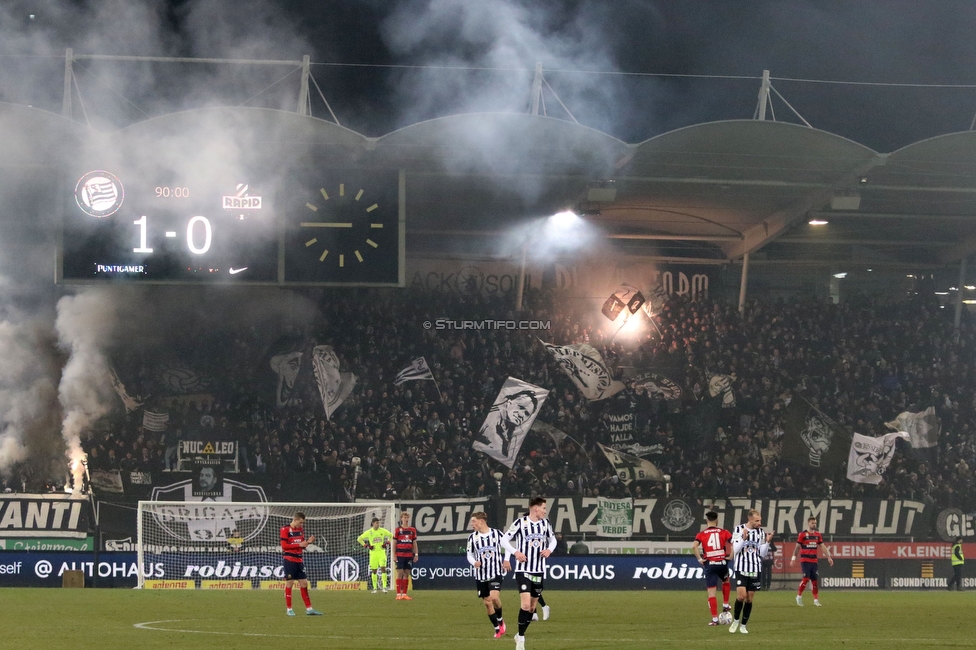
pixel 808 543
pixel 293 542
pixel 713 549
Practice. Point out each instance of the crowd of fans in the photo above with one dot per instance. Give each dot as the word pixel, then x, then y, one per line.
pixel 861 363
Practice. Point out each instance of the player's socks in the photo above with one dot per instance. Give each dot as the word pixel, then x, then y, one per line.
pixel 726 590
pixel 375 581
pixel 288 597
pixel 386 582
pixel 746 611
pixel 816 589
pixel 493 617
pixel 542 601
pixel 738 609
pixel 713 606
pixel 803 585
pixel 305 598
pixel 525 617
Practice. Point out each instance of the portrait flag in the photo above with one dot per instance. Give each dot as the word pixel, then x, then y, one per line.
pixel 583 364
pixel 923 428
pixel 631 468
pixel 869 457
pixel 812 439
pixel 509 420
pixel 334 386
pixel 418 370
pixel 286 366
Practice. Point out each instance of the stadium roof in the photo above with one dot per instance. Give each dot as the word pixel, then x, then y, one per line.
pixel 707 193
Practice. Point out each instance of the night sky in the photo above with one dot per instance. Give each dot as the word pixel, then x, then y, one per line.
pixel 891 42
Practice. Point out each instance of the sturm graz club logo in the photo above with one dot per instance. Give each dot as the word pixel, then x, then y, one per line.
pixel 677 515
pixel 99 194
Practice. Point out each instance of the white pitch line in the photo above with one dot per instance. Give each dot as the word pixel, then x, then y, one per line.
pixel 146 626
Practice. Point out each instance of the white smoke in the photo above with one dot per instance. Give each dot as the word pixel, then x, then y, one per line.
pixel 85 326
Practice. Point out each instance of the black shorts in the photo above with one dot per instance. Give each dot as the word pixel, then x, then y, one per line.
pixel 404 563
pixel 810 570
pixel 751 583
pixel 716 573
pixel 485 588
pixel 529 583
pixel 294 570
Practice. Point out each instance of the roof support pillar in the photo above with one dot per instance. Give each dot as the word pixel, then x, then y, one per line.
pixel 303 88
pixel 536 89
pixel 69 58
pixel 962 281
pixel 742 285
pixel 763 97
pixel 520 289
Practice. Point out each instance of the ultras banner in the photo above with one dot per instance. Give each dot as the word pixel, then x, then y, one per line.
pixel 573 516
pixel 43 515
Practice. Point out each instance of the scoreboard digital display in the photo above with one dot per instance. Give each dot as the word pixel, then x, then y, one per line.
pixel 308 226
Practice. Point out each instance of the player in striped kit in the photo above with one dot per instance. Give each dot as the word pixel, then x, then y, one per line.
pixel 531 540
pixel 808 544
pixel 712 549
pixel 749 544
pixel 485 555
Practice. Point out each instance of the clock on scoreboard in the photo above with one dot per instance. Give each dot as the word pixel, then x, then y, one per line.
pixel 310 226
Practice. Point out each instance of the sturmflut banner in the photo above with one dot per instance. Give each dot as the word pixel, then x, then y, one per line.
pixel 509 420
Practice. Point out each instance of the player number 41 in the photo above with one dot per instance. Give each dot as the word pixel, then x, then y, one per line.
pixel 191 228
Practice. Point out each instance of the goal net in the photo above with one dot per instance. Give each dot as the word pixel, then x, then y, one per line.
pixel 215 545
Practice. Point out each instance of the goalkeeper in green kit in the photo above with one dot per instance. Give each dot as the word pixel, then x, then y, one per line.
pixel 377 540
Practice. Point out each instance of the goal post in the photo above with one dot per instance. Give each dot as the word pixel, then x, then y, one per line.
pixel 236 545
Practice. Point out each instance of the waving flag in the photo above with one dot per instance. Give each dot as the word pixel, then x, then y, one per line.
pixel 869 457
pixel 509 420
pixel 418 370
pixel 334 386
pixel 584 366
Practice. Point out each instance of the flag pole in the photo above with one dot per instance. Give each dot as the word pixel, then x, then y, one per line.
pixel 439 396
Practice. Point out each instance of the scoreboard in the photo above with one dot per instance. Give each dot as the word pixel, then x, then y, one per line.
pixel 233 224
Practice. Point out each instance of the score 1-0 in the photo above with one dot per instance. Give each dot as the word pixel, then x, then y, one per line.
pixel 191 243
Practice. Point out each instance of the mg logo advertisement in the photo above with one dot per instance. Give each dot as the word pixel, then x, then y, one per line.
pixel 344 569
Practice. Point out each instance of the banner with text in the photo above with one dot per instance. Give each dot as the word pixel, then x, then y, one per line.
pixel 43 515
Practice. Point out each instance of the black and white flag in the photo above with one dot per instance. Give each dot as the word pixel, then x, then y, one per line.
pixel 631 468
pixel 722 385
pixel 152 421
pixel 130 402
pixel 584 366
pixel 869 457
pixel 923 428
pixel 334 386
pixel 286 366
pixel 418 370
pixel 509 420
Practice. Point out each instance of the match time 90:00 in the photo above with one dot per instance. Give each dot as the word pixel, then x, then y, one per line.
pixel 172 192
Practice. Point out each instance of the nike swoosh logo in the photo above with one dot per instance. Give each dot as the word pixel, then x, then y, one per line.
pixel 234 271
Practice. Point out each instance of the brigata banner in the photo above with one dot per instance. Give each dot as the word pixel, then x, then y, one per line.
pixel 685 517
pixel 43 515
pixel 445 519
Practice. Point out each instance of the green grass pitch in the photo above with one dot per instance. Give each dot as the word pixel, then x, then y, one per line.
pixel 450 620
